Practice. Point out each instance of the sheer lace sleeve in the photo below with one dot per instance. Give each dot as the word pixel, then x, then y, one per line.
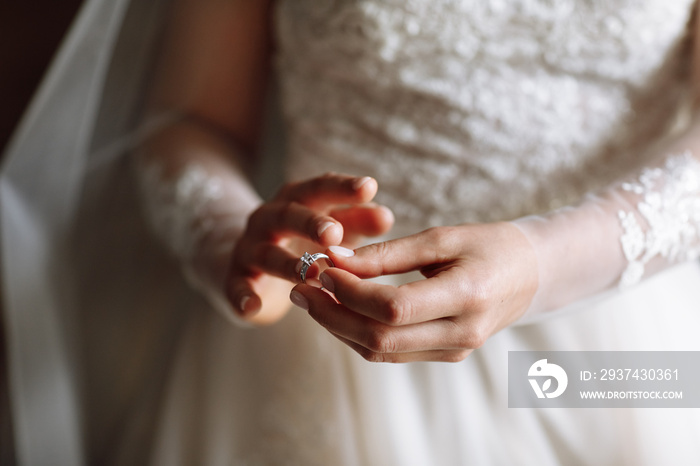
pixel 615 238
pixel 663 224
pixel 197 200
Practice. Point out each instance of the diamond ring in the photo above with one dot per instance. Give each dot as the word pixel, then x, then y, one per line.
pixel 308 259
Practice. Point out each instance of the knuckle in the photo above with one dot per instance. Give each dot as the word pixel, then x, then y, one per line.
pixel 440 240
pixel 433 233
pixel 371 356
pixel 378 251
pixel 479 296
pixel 380 341
pixel 377 255
pixel 397 310
pixel 436 236
pixel 474 337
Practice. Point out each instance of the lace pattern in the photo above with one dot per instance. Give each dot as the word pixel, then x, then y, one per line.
pixel 183 209
pixel 174 206
pixel 669 207
pixel 479 110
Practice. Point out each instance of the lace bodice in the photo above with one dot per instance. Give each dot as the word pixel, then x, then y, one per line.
pixel 491 109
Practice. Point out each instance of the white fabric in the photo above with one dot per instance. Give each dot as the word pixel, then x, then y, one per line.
pixel 463 111
pixel 523 106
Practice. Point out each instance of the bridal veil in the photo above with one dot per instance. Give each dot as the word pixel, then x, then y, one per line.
pixel 89 301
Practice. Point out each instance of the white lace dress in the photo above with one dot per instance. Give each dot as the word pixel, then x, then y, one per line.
pixel 464 111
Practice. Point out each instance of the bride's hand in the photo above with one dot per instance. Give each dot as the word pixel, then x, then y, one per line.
pixel 479 279
pixel 311 215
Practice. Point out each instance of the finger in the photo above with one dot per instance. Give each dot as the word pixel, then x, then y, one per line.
pixel 330 189
pixel 430 247
pixel 268 258
pixel 419 356
pixel 275 220
pixel 241 294
pixel 375 336
pixel 244 293
pixel 363 220
pixel 446 294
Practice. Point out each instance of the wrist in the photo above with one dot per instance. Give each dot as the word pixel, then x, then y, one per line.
pixel 578 252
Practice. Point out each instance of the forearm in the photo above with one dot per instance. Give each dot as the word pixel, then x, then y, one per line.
pixel 640 225
pixel 196 198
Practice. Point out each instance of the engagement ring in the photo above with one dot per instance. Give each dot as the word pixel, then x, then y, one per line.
pixel 308 259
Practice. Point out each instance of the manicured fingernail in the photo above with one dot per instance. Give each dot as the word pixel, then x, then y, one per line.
pixel 341 251
pixel 360 182
pixel 327 282
pixel 299 300
pixel 325 226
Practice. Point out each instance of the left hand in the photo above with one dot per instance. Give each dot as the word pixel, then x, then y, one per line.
pixel 479 279
pixel 309 215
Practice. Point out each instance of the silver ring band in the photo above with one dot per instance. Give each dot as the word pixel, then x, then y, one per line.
pixel 308 259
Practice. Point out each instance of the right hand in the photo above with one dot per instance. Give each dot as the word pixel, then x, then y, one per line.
pixel 311 215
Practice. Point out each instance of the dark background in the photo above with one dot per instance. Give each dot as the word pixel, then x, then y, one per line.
pixel 30 32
